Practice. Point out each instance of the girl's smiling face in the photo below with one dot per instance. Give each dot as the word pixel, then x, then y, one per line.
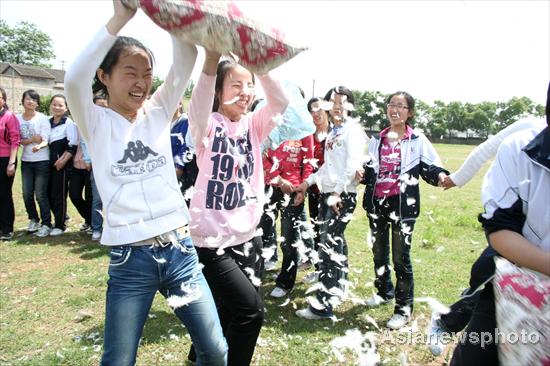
pixel 129 81
pixel 338 112
pixel 318 113
pixel 236 94
pixel 398 111
pixel 58 107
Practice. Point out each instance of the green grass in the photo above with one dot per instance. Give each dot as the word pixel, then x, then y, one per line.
pixel 45 283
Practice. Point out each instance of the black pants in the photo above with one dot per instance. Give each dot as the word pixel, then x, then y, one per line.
pixel 314 203
pixel 333 250
pixel 291 231
pixel 461 311
pixel 268 221
pixel 7 210
pixel 79 181
pixel 57 194
pixel 239 304
pixel 470 351
pixel 401 240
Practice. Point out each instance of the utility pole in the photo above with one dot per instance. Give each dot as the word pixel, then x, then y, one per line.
pixel 313 89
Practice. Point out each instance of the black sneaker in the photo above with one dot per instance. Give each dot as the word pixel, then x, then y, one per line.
pixel 7 236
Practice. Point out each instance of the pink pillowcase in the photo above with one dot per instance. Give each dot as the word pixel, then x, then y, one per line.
pixel 222 27
pixel 522 304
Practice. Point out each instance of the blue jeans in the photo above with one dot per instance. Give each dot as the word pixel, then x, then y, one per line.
pixel 97 206
pixel 333 241
pixel 35 176
pixel 401 240
pixel 136 273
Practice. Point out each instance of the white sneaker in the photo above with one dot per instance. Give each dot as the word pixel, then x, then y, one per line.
pixel 270 266
pixel 33 226
pixel 43 231
pixel 96 235
pixel 278 292
pixel 435 334
pixel 376 300
pixel 56 232
pixel 311 277
pixel 308 314
pixel 397 321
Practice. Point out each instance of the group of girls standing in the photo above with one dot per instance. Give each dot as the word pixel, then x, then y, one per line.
pixel 49 144
pixel 149 229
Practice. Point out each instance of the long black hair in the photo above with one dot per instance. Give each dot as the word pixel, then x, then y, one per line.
pixel 121 45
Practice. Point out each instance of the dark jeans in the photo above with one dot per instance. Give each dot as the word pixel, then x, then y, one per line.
pixel 7 209
pixel 57 194
pixel 401 240
pixel 239 304
pixel 468 352
pixel 269 219
pixel 97 206
pixel 333 251
pixel 461 311
pixel 79 181
pixel 314 204
pixel 35 176
pixel 291 230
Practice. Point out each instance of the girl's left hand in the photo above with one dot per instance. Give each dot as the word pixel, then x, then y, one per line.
pixel 298 198
pixel 10 170
pixel 335 203
pixel 59 164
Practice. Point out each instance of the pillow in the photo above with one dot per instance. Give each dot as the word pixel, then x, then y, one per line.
pixel 522 304
pixel 222 27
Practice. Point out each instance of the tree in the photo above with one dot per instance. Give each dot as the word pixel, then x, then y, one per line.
pixel 513 110
pixel 189 89
pixel 25 44
pixel 369 108
pixel 156 83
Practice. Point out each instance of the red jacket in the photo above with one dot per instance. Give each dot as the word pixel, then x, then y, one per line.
pixel 290 161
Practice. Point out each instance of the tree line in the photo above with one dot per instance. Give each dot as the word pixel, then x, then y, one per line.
pixel 448 119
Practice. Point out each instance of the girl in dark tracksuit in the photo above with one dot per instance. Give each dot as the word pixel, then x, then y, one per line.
pixel 63 144
pixel 392 198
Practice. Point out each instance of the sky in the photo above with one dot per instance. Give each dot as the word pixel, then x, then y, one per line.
pixel 469 51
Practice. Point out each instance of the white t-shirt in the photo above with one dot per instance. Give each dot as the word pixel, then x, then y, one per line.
pixel 38 125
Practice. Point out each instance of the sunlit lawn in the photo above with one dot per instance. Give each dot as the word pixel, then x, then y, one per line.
pixel 53 289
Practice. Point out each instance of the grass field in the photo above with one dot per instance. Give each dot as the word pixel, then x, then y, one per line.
pixel 53 292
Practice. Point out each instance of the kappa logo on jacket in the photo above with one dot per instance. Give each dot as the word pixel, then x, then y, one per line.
pixel 136 152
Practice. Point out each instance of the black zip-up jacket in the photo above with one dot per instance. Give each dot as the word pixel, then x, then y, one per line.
pixel 418 158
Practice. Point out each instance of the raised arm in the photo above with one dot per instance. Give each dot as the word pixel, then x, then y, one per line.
pixel 169 94
pixel 277 101
pixel 83 69
pixel 202 99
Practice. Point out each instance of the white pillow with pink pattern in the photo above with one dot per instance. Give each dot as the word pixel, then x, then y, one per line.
pixel 220 26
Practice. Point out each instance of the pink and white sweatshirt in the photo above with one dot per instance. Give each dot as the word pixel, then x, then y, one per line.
pixel 229 191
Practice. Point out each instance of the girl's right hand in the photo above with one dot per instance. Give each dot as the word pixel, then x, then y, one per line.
pixel 122 14
pixel 211 62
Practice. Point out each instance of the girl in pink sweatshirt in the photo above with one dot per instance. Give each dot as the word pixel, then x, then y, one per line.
pixel 229 193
